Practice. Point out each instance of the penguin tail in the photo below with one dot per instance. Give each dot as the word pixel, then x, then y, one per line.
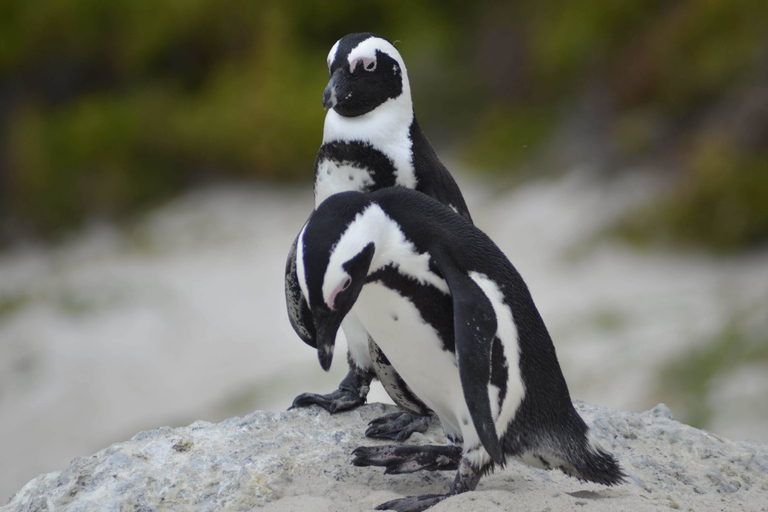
pixel 594 464
pixel 578 454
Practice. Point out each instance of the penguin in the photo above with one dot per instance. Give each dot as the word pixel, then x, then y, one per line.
pixel 458 324
pixel 371 140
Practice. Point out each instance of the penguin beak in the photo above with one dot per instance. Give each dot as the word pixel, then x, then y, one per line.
pixel 336 88
pixel 326 325
pixel 325 356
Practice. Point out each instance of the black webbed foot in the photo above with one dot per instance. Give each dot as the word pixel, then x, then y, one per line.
pixel 397 426
pixel 466 479
pixel 352 393
pixel 336 401
pixel 399 459
pixel 413 503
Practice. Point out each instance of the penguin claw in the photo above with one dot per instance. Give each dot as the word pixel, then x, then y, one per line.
pixel 352 392
pixel 398 459
pixel 413 503
pixel 337 401
pixel 397 426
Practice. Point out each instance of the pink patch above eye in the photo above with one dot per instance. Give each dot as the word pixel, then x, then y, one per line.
pixel 369 64
pixel 342 286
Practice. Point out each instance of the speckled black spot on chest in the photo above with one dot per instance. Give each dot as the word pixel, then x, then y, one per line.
pixel 360 155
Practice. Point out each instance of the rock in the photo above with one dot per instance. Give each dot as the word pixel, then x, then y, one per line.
pixel 300 460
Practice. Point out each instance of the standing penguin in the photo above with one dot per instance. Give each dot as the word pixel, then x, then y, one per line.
pixel 458 323
pixel 371 140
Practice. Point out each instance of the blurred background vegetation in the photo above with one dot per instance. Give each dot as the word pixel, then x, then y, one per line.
pixel 108 106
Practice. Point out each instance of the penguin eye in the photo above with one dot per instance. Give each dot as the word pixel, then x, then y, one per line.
pixel 369 66
pixel 342 286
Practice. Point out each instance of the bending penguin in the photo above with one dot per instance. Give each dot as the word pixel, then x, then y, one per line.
pixel 371 140
pixel 457 322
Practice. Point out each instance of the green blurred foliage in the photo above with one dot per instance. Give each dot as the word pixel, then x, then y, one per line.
pixel 159 93
pixel 108 106
pixel 724 203
pixel 116 104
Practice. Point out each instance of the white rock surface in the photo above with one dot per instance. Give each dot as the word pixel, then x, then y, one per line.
pixel 300 460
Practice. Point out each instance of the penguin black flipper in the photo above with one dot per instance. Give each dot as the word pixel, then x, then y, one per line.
pixel 298 310
pixel 475 329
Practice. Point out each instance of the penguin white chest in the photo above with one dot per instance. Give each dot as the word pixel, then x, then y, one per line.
pixel 416 351
pixel 333 177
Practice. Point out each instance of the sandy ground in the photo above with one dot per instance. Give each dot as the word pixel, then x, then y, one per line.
pixel 182 316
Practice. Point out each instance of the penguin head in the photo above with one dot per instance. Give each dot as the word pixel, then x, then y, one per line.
pixel 333 258
pixel 365 71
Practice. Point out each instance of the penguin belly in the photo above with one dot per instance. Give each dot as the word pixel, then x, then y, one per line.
pixel 416 352
pixel 357 341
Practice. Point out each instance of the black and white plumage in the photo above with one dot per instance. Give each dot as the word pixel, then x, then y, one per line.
pixel 459 325
pixel 371 140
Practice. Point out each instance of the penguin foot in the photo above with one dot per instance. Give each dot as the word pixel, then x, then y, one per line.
pixel 413 503
pixel 466 479
pixel 352 393
pixel 397 426
pixel 339 400
pixel 407 459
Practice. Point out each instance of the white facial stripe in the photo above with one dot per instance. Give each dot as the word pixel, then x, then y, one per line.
pixel 373 225
pixel 400 252
pixel 507 333
pixel 301 274
pixel 363 230
pixel 332 54
pixel 367 50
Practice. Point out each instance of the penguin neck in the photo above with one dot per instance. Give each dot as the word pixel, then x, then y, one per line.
pixel 395 250
pixel 386 128
pixel 392 249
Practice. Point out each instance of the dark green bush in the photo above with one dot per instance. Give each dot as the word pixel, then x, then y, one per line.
pixel 722 204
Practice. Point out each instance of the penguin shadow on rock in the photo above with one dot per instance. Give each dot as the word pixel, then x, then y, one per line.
pixel 371 140
pixel 457 322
